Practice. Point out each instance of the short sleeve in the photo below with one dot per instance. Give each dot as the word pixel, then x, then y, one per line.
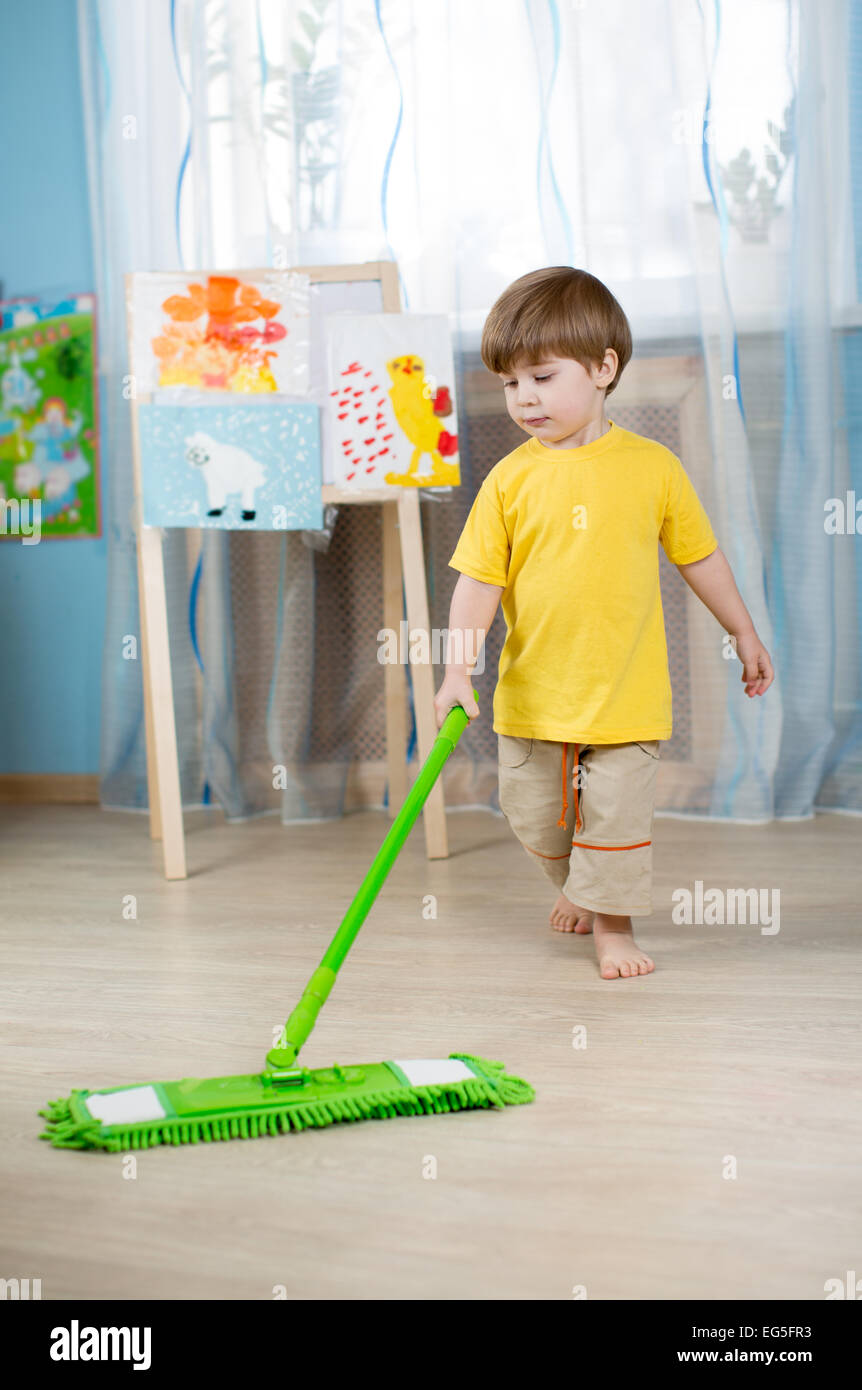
pixel 686 534
pixel 483 549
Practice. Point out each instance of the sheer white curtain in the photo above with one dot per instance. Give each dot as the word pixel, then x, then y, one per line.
pixel 693 154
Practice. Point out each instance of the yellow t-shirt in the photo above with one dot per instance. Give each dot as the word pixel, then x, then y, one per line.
pixel 572 535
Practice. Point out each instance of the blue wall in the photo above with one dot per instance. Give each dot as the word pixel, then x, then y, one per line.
pixel 53 594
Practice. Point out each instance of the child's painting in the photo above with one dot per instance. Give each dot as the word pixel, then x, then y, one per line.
pixel 391 415
pixel 253 467
pixel 49 445
pixel 238 333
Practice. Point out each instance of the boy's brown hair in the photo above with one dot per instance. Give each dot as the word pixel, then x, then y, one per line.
pixel 558 310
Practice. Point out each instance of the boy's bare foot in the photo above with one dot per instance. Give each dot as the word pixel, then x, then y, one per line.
pixel 618 953
pixel 567 916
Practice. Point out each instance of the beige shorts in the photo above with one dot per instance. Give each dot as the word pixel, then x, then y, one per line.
pixel 584 814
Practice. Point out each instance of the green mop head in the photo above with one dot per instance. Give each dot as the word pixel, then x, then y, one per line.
pixel 276 1102
pixel 286 1096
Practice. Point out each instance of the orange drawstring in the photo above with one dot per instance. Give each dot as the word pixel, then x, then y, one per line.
pixel 562 820
pixel 578 822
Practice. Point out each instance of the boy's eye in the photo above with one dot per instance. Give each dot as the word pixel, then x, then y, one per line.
pixel 538 378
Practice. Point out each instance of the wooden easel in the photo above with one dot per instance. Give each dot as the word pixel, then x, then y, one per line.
pixel 403 583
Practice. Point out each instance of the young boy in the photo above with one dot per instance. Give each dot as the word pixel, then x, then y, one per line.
pixel 566 530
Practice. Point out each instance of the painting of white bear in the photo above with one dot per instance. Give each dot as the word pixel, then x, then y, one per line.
pixel 253 467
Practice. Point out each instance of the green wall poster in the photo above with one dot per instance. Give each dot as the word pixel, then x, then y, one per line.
pixel 49 437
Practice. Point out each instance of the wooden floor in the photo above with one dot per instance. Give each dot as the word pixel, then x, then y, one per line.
pixel 741 1047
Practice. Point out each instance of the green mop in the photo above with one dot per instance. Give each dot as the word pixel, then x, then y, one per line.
pixel 286 1097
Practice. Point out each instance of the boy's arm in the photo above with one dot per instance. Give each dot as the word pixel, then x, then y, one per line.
pixel 712 580
pixel 471 613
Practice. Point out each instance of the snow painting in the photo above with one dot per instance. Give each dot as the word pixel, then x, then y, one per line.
pixel 238 468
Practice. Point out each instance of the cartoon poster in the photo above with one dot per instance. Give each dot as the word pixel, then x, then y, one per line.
pixel 239 333
pixel 49 446
pixel 232 466
pixel 391 414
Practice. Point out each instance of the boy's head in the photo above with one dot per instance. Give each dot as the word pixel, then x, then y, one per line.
pixel 559 341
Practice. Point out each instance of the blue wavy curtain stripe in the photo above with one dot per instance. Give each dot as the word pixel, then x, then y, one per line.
pixel 716 193
pixel 743 786
pixel 132 229
pixel 846 763
pixel 384 184
pixel 803 597
pixel 544 154
pixel 197 577
pixel 412 743
pixel 188 146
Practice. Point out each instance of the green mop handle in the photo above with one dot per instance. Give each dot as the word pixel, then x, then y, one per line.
pixel 316 992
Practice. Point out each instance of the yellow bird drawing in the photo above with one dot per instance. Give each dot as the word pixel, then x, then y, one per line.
pixel 418 411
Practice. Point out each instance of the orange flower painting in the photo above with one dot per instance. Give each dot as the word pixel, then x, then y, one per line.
pixel 245 333
pixel 219 336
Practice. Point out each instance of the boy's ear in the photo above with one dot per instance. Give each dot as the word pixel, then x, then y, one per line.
pixel 613 366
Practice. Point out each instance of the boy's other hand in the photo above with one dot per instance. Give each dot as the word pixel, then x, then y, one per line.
pixel 455 690
pixel 757 672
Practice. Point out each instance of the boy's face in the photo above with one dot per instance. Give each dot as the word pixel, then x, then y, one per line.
pixel 556 398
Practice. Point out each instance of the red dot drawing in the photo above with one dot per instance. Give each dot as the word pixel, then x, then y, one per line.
pixel 371 450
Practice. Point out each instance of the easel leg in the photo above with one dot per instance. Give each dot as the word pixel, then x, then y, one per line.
pixel 394 673
pixel 416 594
pixel 152 767
pixel 159 702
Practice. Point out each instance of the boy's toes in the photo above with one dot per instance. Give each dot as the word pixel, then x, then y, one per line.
pixel 624 967
pixel 641 967
pixel 567 916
